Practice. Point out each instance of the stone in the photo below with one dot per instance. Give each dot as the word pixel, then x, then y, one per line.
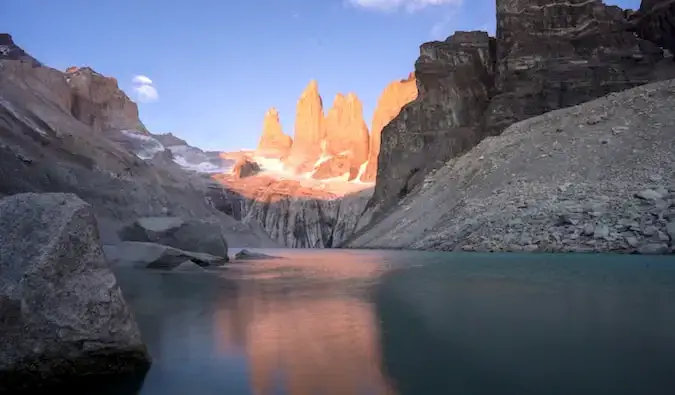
pixel 245 167
pixel 670 229
pixel 653 249
pixel 251 255
pixel 273 142
pixel 62 314
pixel 346 132
pixel 632 241
pixel 189 235
pixel 189 266
pixel 649 194
pixel 157 256
pixel 393 98
pixel 601 232
pixel 309 130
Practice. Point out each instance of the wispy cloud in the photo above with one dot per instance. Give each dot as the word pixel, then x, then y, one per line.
pixel 443 28
pixel 144 89
pixel 408 5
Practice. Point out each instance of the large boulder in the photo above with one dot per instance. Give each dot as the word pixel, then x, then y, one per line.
pixel 188 235
pixel 157 256
pixel 62 314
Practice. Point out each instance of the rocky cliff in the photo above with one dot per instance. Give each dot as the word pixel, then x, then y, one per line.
pixel 273 142
pixel 545 57
pixel 309 130
pixel 393 98
pixel 71 132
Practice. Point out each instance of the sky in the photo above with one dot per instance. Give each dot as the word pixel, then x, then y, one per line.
pixel 208 70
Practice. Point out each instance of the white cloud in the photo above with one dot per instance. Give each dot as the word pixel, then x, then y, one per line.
pixel 144 89
pixel 142 80
pixel 408 5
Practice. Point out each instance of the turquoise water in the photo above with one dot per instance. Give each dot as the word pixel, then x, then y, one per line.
pixel 337 322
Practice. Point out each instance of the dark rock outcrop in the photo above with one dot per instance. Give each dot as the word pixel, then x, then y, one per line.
pixel 309 130
pixel 546 56
pixel 10 51
pixel 273 142
pixel 346 132
pixel 188 235
pixel 157 256
pixel 393 98
pixel 654 21
pixel 454 81
pixel 62 314
pixel 245 167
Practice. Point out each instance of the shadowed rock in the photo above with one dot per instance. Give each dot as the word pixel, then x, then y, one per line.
pixel 245 167
pixel 9 50
pixel 62 314
pixel 157 256
pixel 188 235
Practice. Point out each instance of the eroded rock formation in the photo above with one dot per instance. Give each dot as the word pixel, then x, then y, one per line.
pixel 454 80
pixel 99 102
pixel 273 142
pixel 545 57
pixel 309 130
pixel 346 132
pixel 393 98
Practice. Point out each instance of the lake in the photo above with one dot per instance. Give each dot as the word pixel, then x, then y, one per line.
pixel 341 322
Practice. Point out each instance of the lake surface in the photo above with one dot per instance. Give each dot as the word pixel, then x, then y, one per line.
pixel 339 322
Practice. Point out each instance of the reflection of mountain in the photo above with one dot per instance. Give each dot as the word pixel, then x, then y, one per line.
pixel 322 341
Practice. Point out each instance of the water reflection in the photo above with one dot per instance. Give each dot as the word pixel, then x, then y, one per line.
pixel 344 322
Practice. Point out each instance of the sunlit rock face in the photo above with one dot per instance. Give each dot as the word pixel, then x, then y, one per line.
pixel 393 98
pixel 273 142
pixel 346 132
pixel 309 131
pixel 98 102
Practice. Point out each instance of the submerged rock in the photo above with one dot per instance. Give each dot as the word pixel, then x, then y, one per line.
pixel 246 254
pixel 188 235
pixel 157 256
pixel 62 314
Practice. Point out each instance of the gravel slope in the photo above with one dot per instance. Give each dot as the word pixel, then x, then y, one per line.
pixel 599 176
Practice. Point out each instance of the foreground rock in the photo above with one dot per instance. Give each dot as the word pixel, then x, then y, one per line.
pixel 157 256
pixel 188 235
pixel 596 177
pixel 252 255
pixel 62 314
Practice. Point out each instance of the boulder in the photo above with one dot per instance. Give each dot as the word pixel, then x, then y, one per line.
pixel 252 255
pixel 245 167
pixel 188 235
pixel 62 314
pixel 157 256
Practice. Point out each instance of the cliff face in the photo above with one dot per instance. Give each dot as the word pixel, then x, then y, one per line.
pixel 98 102
pixel 273 142
pixel 454 81
pixel 393 98
pixel 545 57
pixel 346 132
pixel 309 130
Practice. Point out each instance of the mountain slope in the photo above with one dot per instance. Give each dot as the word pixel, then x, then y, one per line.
pixel 599 176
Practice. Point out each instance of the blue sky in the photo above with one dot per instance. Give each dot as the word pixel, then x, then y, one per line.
pixel 216 66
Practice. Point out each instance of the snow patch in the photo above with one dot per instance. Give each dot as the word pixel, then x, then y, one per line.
pixel 201 167
pixel 149 146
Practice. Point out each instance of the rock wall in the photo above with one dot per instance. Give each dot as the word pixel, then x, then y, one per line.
pixel 273 142
pixel 346 132
pixel 309 130
pixel 393 98
pixel 546 56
